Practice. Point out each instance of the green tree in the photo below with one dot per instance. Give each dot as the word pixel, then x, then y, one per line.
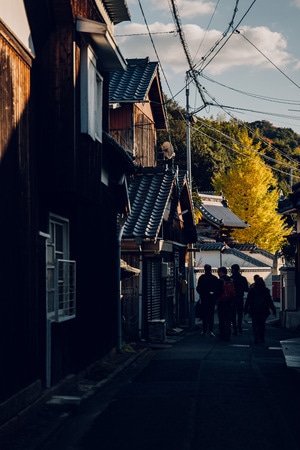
pixel 251 190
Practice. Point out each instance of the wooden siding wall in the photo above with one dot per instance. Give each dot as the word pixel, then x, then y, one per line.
pixel 55 122
pixel 70 162
pixel 70 181
pixel 19 329
pixel 134 129
pixel 144 135
pixel 121 126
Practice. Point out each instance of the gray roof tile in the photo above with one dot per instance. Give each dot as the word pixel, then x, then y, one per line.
pixel 217 246
pixel 149 193
pixel 215 210
pixel 134 83
pixel 138 83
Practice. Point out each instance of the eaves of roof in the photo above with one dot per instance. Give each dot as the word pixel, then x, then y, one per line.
pixel 140 82
pixel 253 249
pixel 117 10
pixel 215 211
pixel 128 165
pixel 286 206
pixel 149 194
pixel 104 44
pixel 217 246
pixel 290 204
pixel 221 216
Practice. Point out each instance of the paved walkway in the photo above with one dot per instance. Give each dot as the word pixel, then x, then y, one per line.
pixel 188 393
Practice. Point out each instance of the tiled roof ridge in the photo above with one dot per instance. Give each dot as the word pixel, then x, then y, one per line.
pixel 254 249
pixel 217 246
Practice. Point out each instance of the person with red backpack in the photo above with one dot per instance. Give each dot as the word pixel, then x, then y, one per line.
pixel 225 303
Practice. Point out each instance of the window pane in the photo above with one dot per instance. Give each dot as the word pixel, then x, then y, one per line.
pixel 59 238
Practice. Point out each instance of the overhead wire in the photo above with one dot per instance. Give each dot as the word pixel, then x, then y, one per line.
pixel 265 56
pixel 199 130
pixel 179 30
pixel 207 28
pixel 145 34
pixel 230 26
pixel 252 132
pixel 251 94
pixel 178 26
pixel 158 59
pixel 153 45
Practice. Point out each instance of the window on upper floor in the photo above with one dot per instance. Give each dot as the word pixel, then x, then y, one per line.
pixel 91 95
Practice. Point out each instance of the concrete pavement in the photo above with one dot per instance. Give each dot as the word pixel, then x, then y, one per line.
pixel 216 394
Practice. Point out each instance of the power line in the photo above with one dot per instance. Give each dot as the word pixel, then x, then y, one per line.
pixel 158 59
pixel 248 128
pixel 145 34
pixel 265 56
pixel 240 153
pixel 224 35
pixel 179 29
pixel 153 45
pixel 207 28
pixel 250 94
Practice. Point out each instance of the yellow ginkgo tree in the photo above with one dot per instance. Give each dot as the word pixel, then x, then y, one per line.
pixel 251 190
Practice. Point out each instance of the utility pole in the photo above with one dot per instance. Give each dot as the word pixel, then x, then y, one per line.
pixel 191 280
pixel 188 133
pixel 291 177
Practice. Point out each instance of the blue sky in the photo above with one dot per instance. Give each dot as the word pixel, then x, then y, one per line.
pixel 252 74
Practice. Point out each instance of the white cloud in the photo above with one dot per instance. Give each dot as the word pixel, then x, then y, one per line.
pixel 193 8
pixel 296 3
pixel 239 52
pixel 186 8
pixel 236 52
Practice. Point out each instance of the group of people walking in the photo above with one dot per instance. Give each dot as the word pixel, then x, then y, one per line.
pixel 227 294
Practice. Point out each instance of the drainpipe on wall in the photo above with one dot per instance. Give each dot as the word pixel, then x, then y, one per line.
pixel 140 291
pixel 121 223
pixel 46 236
pixel 139 242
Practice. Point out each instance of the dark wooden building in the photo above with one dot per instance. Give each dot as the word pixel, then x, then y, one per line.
pixel 137 110
pixel 155 239
pixel 160 224
pixel 290 206
pixel 63 190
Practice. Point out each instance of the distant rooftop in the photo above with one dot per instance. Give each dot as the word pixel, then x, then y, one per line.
pixel 214 209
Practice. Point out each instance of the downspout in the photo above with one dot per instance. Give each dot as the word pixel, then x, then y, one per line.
pixel 121 219
pixel 46 236
pixel 74 107
pixel 121 223
pixel 139 242
pixel 140 291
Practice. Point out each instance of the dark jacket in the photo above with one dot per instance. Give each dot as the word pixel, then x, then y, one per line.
pixel 259 302
pixel 208 287
pixel 240 284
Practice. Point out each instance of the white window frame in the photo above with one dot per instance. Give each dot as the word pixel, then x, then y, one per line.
pixel 91 95
pixel 61 272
